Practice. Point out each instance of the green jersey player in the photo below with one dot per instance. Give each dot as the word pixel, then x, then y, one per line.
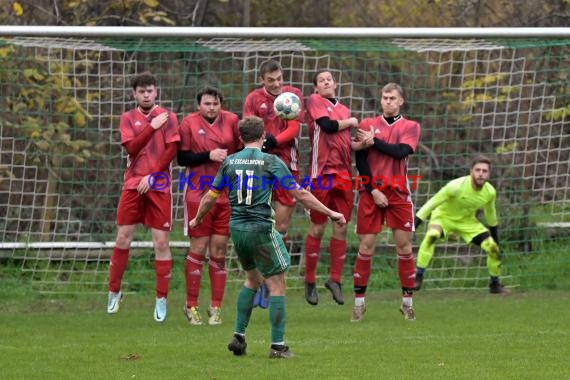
pixel 250 175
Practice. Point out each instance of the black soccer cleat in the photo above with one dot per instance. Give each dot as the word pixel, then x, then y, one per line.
pixel 336 291
pixel 238 345
pixel 418 281
pixel 311 294
pixel 280 352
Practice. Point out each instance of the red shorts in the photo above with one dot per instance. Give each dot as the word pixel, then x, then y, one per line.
pixel 282 195
pixel 399 214
pixel 216 222
pixel 153 209
pixel 339 200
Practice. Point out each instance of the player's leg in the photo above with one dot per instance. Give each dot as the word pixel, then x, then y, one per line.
pixel 244 245
pixel 158 216
pixel 426 251
pixel 370 219
pixel 218 277
pixel 283 214
pixel 312 253
pixel 128 216
pixel 491 249
pixel 400 218
pixel 273 260
pixel 340 201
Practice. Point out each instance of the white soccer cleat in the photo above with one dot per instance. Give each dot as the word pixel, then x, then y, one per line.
pixel 113 301
pixel 215 314
pixel 160 309
pixel 193 315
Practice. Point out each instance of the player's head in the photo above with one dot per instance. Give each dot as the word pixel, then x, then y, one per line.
pixel 392 98
pixel 480 171
pixel 325 84
pixel 209 100
pixel 271 76
pixel 251 129
pixel 145 89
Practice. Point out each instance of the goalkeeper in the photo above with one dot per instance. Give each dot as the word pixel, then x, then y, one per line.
pixel 453 209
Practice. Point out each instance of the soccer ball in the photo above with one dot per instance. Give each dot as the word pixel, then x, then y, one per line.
pixel 287 106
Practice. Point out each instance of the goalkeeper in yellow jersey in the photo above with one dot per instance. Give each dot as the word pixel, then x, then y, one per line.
pixel 453 210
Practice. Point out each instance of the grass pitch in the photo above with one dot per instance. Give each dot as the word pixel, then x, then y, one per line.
pixel 457 335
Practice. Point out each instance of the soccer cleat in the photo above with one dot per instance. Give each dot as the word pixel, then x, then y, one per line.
pixel 280 352
pixel 336 291
pixel 193 315
pixel 238 345
pixel 498 288
pixel 418 281
pixel 113 301
pixel 261 298
pixel 311 294
pixel 408 312
pixel 358 313
pixel 160 309
pixel 215 314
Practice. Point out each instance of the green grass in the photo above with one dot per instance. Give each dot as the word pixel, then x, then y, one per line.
pixel 458 335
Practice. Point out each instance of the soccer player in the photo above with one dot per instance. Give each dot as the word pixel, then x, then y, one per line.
pixel 281 135
pixel 382 148
pixel 249 176
pixel 329 133
pixel 206 138
pixel 149 134
pixel 453 210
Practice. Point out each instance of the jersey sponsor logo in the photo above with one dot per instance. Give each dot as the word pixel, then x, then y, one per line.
pixel 137 123
pixel 377 131
pixel 201 131
pixel 263 106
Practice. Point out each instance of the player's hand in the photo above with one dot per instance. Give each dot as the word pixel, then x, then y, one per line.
pixel 337 217
pixel 159 120
pixel 379 198
pixel 353 122
pixel 194 223
pixel 366 137
pixel 269 143
pixel 144 186
pixel 218 154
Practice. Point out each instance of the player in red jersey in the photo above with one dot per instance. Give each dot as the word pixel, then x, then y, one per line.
pixel 382 148
pixel 149 134
pixel 207 136
pixel 329 132
pixel 281 135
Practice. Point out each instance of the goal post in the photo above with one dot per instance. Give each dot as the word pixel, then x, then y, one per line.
pixel 499 93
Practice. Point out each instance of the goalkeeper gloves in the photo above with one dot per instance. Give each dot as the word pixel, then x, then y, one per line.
pixel 269 143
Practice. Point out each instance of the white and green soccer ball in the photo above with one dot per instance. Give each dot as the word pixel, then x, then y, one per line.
pixel 287 106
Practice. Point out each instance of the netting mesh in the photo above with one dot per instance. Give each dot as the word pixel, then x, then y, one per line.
pixel 61 162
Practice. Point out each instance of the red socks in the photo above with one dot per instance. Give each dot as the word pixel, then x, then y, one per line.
pixel 193 270
pixel 218 276
pixel 312 252
pixel 406 270
pixel 117 267
pixel 163 270
pixel 337 252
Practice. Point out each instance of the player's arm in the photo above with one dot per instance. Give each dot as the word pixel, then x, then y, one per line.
pixel 439 198
pixel 309 201
pixel 397 151
pixel 209 199
pixel 361 158
pixel 332 126
pixel 190 159
pixel 136 144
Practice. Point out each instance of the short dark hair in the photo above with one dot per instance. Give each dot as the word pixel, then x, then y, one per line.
pixel 320 72
pixel 393 86
pixel 269 66
pixel 212 91
pixel 143 79
pixel 250 128
pixel 481 160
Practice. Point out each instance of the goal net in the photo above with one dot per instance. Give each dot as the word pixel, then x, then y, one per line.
pixel 61 162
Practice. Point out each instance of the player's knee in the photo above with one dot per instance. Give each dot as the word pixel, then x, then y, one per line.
pixel 491 248
pixel 432 236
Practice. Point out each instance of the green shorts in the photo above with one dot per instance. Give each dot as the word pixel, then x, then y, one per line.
pixel 467 229
pixel 262 250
